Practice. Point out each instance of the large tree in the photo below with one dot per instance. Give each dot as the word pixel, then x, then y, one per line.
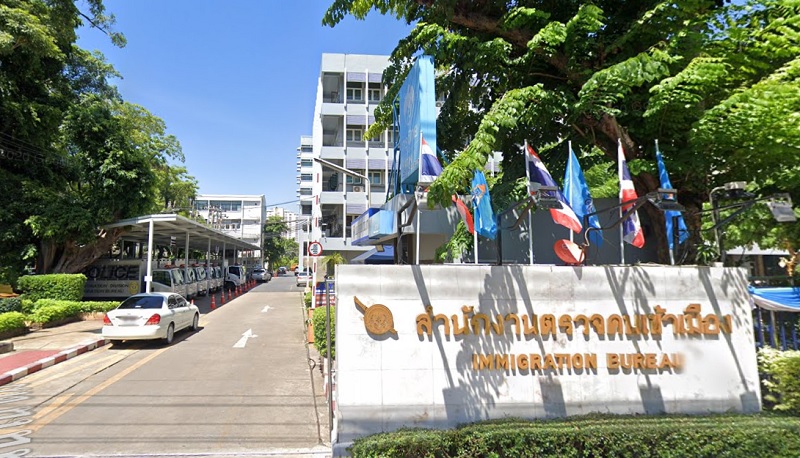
pixel 716 83
pixel 75 156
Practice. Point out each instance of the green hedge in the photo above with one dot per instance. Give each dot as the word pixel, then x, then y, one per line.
pixel 781 381
pixel 68 287
pixel 10 304
pixel 716 436
pixel 320 339
pixel 49 310
pixel 12 321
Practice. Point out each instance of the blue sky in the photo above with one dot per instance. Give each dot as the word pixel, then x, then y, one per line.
pixel 234 81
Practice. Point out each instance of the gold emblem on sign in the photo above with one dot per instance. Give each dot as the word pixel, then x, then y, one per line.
pixel 378 318
pixel 133 287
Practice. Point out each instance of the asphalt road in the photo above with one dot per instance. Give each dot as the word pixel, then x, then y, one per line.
pixel 240 386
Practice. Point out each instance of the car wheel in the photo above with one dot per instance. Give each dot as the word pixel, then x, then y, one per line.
pixel 195 322
pixel 170 334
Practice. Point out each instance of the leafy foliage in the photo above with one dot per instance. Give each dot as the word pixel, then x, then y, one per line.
pixel 318 319
pixel 715 81
pixel 77 156
pixel 277 248
pixel 53 286
pixel 12 321
pixel 782 381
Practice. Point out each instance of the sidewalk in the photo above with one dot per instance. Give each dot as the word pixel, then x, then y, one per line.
pixel 45 347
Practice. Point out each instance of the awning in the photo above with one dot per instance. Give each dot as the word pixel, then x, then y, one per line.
pixel 374 256
pixel 779 299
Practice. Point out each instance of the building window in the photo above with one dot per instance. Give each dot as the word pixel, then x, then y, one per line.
pixel 377 139
pixel 355 135
pixel 306 162
pixel 252 203
pixel 390 137
pixel 201 205
pixel 375 178
pixel 305 191
pixel 353 180
pixel 355 93
pixel 374 95
pixel 227 205
pixel 306 177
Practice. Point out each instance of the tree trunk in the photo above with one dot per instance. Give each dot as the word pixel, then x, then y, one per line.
pixel 72 258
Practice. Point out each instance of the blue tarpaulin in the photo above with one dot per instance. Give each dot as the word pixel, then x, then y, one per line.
pixel 779 299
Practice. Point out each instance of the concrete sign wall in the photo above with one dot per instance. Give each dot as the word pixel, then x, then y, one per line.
pixel 437 346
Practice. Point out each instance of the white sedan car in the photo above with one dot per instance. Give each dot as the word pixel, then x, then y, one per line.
pixel 149 316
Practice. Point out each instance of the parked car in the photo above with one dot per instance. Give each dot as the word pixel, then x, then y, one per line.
pixel 261 275
pixel 149 316
pixel 303 278
pixel 282 271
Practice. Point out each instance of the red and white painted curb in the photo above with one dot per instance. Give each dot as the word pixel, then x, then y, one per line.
pixel 60 357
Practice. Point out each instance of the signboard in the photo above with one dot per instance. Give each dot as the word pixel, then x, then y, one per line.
pixel 105 279
pixel 314 249
pixel 417 117
pixel 436 346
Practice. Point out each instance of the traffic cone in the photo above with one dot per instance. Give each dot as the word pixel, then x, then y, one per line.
pixel 213 303
pixel 192 301
pixel 222 298
pixel 229 295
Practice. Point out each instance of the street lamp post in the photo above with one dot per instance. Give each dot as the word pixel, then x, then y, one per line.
pixel 346 171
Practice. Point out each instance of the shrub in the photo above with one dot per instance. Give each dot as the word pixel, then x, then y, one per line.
pixel 98 306
pixel 12 321
pixel 10 304
pixel 307 298
pixel 68 287
pixel 729 436
pixel 320 339
pixel 27 305
pixel 50 311
pixel 781 382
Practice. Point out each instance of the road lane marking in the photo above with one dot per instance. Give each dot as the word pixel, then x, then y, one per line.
pixel 266 309
pixel 243 340
pixel 106 360
pixel 54 414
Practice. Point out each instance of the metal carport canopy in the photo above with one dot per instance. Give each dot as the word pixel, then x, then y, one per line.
pixel 168 225
pixel 160 229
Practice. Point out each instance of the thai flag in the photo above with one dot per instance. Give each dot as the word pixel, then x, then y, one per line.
pixel 537 173
pixel 631 228
pixel 429 166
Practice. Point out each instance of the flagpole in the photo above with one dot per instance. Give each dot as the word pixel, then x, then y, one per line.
pixel 569 159
pixel 666 223
pixel 621 212
pixel 419 217
pixel 475 244
pixel 530 211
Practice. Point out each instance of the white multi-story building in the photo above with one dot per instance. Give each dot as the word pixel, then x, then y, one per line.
pixel 348 89
pixel 240 216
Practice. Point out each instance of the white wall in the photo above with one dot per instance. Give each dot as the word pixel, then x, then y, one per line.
pixel 388 381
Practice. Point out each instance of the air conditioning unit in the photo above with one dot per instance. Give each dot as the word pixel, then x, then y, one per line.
pixel 356 188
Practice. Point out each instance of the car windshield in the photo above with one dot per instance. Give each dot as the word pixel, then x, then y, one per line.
pixel 259 271
pixel 142 302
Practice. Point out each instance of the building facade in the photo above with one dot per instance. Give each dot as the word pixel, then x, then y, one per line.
pixel 290 218
pixel 348 90
pixel 240 216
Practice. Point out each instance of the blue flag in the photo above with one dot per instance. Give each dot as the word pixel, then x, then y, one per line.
pixel 485 224
pixel 576 191
pixel 683 233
